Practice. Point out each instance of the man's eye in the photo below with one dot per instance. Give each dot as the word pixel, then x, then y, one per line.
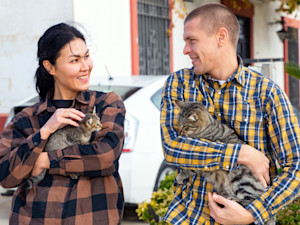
pixel 86 56
pixel 74 60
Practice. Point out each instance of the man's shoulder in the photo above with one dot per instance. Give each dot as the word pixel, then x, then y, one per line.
pixel 182 75
pixel 261 81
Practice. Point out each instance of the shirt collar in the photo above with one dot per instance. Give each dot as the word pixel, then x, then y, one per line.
pixel 46 104
pixel 237 75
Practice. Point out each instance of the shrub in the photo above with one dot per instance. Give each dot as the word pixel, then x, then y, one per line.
pixel 154 210
pixel 290 215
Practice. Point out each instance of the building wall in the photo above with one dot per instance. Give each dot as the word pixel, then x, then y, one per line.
pixel 22 23
pixel 108 30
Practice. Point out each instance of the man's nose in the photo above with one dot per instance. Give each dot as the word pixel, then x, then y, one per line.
pixel 186 49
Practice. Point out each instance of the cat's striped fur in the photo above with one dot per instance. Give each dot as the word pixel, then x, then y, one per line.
pixel 240 184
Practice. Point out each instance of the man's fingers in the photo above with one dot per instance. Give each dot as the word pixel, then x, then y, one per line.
pixel 267 178
pixel 219 199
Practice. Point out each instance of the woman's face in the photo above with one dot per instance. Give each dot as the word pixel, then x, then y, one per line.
pixel 72 70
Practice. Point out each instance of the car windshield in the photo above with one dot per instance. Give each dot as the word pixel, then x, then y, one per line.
pixel 123 92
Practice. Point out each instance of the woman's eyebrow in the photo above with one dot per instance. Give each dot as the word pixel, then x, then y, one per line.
pixel 74 55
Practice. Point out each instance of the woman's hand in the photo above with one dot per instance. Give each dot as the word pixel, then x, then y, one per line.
pixel 41 163
pixel 60 119
pixel 232 213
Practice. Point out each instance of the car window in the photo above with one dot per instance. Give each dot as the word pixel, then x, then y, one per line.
pixel 123 92
pixel 156 98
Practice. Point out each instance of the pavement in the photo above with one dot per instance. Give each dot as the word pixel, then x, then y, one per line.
pixel 130 217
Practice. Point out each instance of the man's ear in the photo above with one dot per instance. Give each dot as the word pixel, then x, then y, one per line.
pixel 222 36
pixel 49 67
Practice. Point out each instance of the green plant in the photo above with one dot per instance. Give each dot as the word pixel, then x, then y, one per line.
pixel 292 69
pixel 154 210
pixel 290 215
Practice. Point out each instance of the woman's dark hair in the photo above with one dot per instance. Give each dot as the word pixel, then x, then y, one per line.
pixel 49 46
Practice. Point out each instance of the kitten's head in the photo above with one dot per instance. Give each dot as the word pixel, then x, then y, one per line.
pixel 91 122
pixel 193 118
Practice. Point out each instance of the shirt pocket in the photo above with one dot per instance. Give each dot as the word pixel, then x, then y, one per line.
pixel 248 124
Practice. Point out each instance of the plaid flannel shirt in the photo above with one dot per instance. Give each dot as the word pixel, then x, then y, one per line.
pixel 261 114
pixel 96 196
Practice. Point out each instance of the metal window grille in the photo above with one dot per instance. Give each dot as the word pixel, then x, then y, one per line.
pixel 153 24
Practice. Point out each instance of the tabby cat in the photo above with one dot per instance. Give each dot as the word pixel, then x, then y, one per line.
pixel 240 184
pixel 67 136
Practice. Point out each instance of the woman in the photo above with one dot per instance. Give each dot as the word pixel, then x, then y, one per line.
pixel 62 82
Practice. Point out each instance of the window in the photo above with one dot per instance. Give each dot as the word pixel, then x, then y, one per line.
pixel 153 23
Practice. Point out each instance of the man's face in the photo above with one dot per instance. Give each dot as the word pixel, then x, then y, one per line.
pixel 200 47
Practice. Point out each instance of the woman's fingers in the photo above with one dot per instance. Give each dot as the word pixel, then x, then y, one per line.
pixel 61 118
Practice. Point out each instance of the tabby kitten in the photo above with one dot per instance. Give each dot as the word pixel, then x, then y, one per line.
pixel 240 184
pixel 67 136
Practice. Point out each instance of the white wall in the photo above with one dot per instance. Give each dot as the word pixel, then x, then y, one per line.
pixel 108 27
pixel 266 41
pixel 22 23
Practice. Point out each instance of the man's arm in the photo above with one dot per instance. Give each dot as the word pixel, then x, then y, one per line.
pixel 284 136
pixel 187 152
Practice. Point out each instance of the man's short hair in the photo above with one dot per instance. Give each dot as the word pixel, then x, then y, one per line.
pixel 214 16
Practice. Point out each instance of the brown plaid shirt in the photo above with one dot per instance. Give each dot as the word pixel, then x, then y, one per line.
pixel 96 197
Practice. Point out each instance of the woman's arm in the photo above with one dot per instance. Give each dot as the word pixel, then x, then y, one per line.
pixel 99 158
pixel 20 146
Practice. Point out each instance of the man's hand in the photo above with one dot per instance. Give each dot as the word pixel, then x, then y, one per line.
pixel 232 213
pixel 257 162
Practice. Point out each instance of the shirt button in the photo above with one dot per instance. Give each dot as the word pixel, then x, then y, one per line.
pixel 205 167
pixel 35 143
pixel 219 92
pixel 227 167
pixel 245 120
pixel 219 114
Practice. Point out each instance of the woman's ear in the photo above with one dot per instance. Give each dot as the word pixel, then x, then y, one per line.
pixel 49 67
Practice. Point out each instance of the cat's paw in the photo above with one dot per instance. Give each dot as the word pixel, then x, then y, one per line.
pixel 74 176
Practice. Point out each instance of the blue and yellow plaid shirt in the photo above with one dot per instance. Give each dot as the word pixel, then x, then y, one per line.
pixel 261 114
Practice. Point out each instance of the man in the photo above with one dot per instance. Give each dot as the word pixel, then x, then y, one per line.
pixel 250 103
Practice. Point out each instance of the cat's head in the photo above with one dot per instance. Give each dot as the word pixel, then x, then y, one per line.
pixel 91 122
pixel 193 118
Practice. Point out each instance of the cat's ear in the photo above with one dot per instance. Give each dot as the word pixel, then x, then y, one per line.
pixel 90 121
pixel 193 117
pixel 179 103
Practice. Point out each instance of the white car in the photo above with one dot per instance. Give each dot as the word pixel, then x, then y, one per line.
pixel 142 164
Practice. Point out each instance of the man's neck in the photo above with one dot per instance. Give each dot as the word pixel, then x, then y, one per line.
pixel 226 68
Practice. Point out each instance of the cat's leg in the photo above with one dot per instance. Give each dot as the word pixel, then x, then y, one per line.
pixel 31 181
